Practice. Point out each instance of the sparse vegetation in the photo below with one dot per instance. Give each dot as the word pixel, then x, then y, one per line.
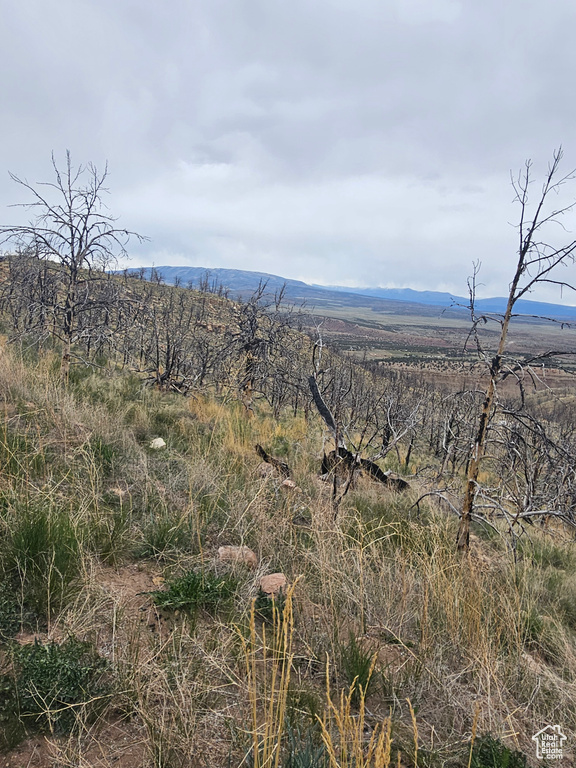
pixel 195 590
pixel 489 752
pixel 388 640
pixel 56 684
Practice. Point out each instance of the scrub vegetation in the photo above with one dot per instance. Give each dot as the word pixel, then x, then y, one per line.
pixel 150 649
pixel 167 423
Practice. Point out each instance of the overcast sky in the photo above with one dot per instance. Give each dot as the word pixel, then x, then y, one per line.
pixel 355 142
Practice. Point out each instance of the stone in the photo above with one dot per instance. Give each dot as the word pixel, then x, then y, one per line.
pixel 232 554
pixel 290 485
pixel 157 443
pixel 274 583
pixel 265 470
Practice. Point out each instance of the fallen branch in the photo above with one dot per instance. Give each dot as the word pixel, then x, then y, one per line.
pixel 279 466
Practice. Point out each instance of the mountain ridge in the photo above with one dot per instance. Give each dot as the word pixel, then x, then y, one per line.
pixel 399 300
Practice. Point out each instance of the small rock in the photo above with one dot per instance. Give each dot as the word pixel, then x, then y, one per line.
pixel 273 583
pixel 244 555
pixel 289 485
pixel 265 469
pixel 157 443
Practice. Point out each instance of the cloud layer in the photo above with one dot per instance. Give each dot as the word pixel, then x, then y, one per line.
pixel 366 142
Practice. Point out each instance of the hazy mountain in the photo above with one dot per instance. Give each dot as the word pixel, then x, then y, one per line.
pixel 439 299
pixel 388 300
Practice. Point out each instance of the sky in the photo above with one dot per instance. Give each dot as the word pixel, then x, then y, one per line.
pixel 350 142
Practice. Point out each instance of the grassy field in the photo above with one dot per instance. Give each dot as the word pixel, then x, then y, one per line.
pixel 125 641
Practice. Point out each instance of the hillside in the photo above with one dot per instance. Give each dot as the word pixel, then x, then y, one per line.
pixel 115 544
pixel 186 424
pixel 408 334
pixel 316 298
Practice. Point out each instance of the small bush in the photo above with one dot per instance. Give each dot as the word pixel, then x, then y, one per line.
pixel 270 609
pixel 54 683
pixel 195 590
pixel 304 704
pixel 489 752
pixel 12 730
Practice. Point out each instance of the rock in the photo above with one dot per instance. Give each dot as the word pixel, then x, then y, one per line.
pixel 157 443
pixel 244 555
pixel 290 485
pixel 274 583
pixel 265 469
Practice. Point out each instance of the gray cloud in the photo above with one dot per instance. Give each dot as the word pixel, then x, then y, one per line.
pixel 336 141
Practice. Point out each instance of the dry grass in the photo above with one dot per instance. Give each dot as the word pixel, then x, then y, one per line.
pixel 480 644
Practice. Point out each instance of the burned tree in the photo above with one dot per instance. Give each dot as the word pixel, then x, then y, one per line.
pixel 537 263
pixel 359 408
pixel 259 336
pixel 72 241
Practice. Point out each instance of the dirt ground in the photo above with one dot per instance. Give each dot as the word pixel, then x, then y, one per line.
pixel 119 743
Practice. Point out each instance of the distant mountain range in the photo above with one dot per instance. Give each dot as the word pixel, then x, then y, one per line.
pixel 386 300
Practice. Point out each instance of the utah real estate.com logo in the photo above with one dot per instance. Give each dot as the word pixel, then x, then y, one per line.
pixel 549 743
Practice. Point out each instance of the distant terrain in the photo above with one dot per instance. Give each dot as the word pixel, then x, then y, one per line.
pixel 388 300
pixel 408 327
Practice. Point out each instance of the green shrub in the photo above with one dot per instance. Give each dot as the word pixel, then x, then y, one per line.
pixel 12 730
pixel 195 590
pixel 55 683
pixel 270 609
pixel 10 613
pixel 489 752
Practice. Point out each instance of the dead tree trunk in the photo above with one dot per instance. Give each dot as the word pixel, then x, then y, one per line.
pixel 536 261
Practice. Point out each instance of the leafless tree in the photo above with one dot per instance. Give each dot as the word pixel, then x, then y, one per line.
pixel 538 262
pixel 260 335
pixel 362 415
pixel 76 240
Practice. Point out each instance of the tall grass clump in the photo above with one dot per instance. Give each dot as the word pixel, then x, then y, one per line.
pixel 43 556
pixel 357 663
pixel 344 732
pixel 268 657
